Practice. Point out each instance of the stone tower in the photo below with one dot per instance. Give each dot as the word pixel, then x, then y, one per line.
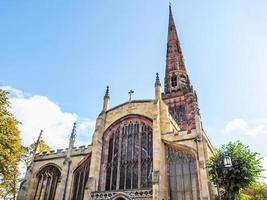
pixel 178 92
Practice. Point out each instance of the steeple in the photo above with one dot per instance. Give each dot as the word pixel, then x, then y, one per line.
pixel 178 92
pixel 175 75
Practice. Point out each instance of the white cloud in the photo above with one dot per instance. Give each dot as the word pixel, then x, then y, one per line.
pixel 252 132
pixel 13 91
pixel 250 128
pixel 39 112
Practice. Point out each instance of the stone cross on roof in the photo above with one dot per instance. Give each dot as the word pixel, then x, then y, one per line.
pixel 130 94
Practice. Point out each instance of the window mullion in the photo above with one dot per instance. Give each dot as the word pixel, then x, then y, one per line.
pixel 139 154
pixel 119 159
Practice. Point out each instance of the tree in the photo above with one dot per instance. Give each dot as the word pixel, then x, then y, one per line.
pixel 29 151
pixel 259 191
pixel 244 171
pixel 10 149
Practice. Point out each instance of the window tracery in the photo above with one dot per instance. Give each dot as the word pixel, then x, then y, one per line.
pixel 80 179
pixel 48 179
pixel 128 162
pixel 182 175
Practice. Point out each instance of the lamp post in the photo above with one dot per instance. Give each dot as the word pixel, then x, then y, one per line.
pixel 227 163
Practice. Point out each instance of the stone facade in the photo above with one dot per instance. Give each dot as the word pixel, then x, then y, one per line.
pixel 174 127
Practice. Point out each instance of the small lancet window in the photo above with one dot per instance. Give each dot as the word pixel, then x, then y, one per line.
pixel 81 174
pixel 174 81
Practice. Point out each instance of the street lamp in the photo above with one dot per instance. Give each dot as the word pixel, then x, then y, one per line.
pixel 227 163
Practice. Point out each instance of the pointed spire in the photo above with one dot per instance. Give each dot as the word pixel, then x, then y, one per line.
pixel 172 34
pixel 175 74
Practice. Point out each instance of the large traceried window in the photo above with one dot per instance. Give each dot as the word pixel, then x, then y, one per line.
pixel 48 179
pixel 80 178
pixel 182 175
pixel 127 154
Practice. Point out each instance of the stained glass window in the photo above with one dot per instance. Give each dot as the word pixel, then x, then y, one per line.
pixel 128 162
pixel 48 179
pixel 80 178
pixel 182 175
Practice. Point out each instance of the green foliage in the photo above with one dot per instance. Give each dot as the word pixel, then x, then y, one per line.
pixel 244 171
pixel 29 151
pixel 242 197
pixel 259 191
pixel 10 149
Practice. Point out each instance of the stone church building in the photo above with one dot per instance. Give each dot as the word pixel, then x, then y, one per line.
pixel 141 149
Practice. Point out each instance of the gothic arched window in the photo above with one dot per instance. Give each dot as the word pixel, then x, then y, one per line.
pixel 127 154
pixel 80 178
pixel 182 175
pixel 48 179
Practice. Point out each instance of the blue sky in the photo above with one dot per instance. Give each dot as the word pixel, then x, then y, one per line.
pixel 66 52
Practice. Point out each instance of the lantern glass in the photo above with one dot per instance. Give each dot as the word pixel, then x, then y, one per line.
pixel 227 161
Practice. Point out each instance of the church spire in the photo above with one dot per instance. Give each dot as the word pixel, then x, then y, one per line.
pixel 176 76
pixel 178 92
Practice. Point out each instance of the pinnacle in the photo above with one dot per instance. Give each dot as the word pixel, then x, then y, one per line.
pixel 73 130
pixel 157 83
pixel 107 92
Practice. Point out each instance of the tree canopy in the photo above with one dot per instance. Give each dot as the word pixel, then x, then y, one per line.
pixel 245 169
pixel 29 151
pixel 10 148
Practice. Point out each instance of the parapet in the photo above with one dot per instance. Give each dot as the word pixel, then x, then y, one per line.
pixel 61 153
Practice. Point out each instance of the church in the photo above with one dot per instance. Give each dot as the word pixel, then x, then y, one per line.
pixel 141 149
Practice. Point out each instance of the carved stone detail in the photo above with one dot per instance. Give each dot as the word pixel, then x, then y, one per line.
pixel 131 194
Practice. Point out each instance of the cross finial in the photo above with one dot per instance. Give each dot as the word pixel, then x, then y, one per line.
pixel 130 94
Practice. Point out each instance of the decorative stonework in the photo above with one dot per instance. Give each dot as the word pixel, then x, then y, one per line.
pixel 131 194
